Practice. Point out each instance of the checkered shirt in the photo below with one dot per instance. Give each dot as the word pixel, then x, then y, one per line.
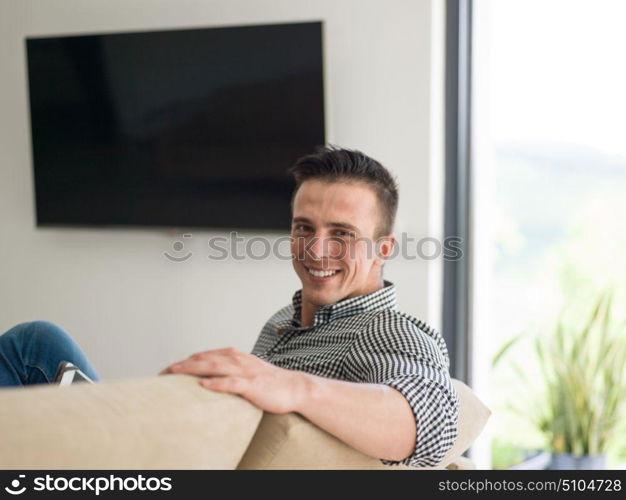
pixel 366 339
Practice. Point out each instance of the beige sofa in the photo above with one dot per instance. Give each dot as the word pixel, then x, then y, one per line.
pixel 170 422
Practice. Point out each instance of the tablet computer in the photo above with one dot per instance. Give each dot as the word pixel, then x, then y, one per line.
pixel 68 373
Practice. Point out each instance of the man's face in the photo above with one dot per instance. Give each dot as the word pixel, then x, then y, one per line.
pixel 332 229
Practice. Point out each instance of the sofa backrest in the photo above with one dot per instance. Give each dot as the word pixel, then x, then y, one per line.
pixel 167 422
pixel 171 422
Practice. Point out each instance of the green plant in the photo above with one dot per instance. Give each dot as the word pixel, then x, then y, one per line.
pixel 505 454
pixel 582 375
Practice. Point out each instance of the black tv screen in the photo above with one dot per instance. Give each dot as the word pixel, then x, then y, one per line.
pixel 185 128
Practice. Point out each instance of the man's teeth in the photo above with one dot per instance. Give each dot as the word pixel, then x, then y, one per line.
pixel 322 274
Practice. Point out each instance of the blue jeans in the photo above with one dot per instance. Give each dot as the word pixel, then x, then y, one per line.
pixel 30 353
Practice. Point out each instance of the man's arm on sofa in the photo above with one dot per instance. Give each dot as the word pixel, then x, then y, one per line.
pixel 372 418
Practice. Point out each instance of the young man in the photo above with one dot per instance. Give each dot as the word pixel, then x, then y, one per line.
pixel 341 354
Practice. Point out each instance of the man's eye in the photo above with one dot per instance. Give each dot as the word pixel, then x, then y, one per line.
pixel 301 228
pixel 347 234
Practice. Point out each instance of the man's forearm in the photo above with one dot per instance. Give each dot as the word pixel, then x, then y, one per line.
pixel 372 418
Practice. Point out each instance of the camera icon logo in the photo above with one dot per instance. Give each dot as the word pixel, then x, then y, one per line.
pixel 15 484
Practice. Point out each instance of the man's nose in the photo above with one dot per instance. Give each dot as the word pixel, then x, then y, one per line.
pixel 322 246
pixel 315 247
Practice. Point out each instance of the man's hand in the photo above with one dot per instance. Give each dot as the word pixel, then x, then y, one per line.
pixel 268 387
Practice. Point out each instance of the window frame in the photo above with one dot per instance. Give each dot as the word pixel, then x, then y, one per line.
pixel 457 307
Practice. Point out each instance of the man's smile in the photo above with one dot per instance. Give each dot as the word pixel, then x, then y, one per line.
pixel 320 275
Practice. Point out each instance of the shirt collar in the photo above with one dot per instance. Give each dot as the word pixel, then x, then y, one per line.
pixel 384 298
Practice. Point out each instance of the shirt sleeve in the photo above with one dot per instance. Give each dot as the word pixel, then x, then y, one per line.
pixel 269 333
pixel 394 351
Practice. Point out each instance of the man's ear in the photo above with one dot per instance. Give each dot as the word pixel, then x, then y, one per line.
pixel 384 247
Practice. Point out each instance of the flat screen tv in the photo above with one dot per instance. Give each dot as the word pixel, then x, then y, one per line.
pixel 184 128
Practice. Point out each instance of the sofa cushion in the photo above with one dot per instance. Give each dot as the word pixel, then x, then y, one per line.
pixel 292 442
pixel 167 422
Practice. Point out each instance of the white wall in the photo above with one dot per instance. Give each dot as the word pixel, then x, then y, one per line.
pixel 132 310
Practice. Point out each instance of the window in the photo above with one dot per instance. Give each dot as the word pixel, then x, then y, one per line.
pixel 547 191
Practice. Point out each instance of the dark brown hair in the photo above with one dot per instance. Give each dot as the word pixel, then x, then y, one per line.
pixel 333 164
